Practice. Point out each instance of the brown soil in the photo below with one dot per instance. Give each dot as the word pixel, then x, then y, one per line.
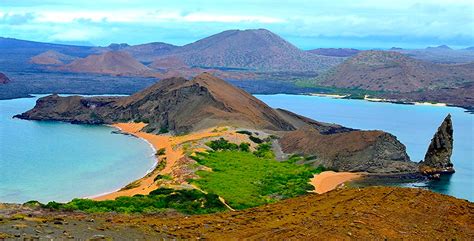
pixel 369 213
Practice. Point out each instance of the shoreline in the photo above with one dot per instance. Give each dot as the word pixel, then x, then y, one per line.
pixel 329 180
pixel 150 170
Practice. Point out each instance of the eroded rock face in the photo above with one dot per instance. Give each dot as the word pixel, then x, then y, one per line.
pixel 438 157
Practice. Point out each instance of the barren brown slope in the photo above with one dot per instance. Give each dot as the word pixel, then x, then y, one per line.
pixel 392 71
pixel 113 62
pixel 372 213
pixel 51 57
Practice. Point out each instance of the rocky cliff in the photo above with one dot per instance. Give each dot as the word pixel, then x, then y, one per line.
pixel 438 157
pixel 346 149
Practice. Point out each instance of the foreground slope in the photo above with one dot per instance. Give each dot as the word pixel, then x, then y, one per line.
pixel 368 213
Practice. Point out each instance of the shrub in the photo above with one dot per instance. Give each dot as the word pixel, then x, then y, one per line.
pixel 244 147
pixel 222 144
pixel 264 150
pixel 160 152
pixel 185 201
pixel 163 130
pixel 244 132
pixel 256 140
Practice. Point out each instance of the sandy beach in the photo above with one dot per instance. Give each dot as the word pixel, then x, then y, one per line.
pixel 335 96
pixel 329 180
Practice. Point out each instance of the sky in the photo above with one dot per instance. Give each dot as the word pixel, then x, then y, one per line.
pixel 308 24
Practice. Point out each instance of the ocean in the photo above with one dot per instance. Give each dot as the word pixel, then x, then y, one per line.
pixel 58 161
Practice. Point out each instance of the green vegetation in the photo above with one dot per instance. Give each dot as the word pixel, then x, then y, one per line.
pixel 352 93
pixel 244 132
pixel 163 130
pixel 244 147
pixel 247 179
pixel 162 177
pixel 255 139
pixel 131 185
pixel 185 201
pixel 160 152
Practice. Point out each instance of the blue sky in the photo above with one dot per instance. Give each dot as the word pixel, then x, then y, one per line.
pixel 307 24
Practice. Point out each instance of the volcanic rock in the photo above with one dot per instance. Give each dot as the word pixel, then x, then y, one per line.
pixel 345 149
pixel 438 157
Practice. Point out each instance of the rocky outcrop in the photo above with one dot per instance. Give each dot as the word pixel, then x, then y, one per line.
pixel 4 79
pixel 353 150
pixel 438 157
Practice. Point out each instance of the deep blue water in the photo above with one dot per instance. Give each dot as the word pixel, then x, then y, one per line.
pixel 414 125
pixel 59 161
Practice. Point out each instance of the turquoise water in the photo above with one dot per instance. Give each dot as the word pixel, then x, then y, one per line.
pixel 414 125
pixel 59 161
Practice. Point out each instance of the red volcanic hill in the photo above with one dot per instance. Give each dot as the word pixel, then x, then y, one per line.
pixel 51 57
pixel 253 49
pixel 4 79
pixel 113 62
pixel 392 71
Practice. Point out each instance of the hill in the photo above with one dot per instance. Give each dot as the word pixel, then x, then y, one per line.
pixel 3 78
pixel 51 57
pixel 253 49
pixel 360 214
pixel 339 52
pixel 395 72
pixel 112 62
pixel 150 51
pixel 176 104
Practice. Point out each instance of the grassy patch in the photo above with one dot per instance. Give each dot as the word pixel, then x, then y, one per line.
pixel 131 185
pixel 245 180
pixel 185 201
